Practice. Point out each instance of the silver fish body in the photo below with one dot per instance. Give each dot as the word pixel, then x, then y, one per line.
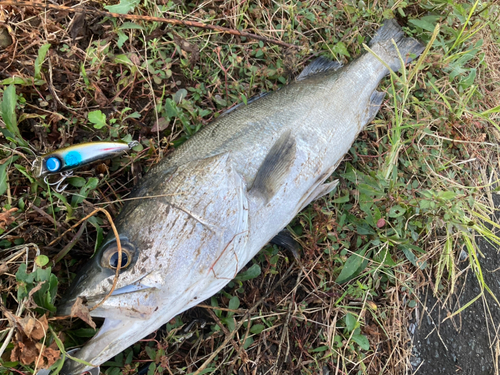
pixel 207 209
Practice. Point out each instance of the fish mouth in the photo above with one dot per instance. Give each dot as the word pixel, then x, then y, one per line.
pixel 96 351
pixel 64 307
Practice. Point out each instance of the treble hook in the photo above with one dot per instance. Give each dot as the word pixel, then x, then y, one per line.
pixel 58 183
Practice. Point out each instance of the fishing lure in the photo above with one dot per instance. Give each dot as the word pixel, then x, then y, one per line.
pixel 65 160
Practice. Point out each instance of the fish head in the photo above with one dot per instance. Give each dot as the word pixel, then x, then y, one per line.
pixel 94 282
pixel 142 299
pixel 179 247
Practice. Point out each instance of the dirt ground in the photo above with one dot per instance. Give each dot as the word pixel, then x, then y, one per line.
pixel 467 343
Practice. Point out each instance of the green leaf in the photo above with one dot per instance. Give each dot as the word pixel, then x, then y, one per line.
pixel 122 38
pixel 100 232
pixel 130 25
pixel 397 211
pixel 9 102
pixel 447 195
pixel 353 266
pixel 362 341
pixel 319 349
pixel 84 191
pixel 171 108
pixel 424 24
pixel 385 258
pixel 343 199
pixel 42 52
pixel 124 7
pixel 229 322
pixel 41 260
pixel 364 229
pixel 409 254
pixel 16 81
pixel 251 273
pixel 3 176
pixel 234 303
pixel 248 342
pixel 257 328
pixel 98 119
pixel 123 59
pixel 180 95
pixel 76 181
pixel 351 322
pixel 84 332
pixel 69 208
pixel 341 49
pixel 23 170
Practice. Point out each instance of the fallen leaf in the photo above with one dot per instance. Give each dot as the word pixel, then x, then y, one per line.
pixel 27 324
pixel 49 355
pixel 41 328
pixel 78 26
pixel 160 125
pixel 30 303
pixel 81 311
pixel 188 47
pixel 3 268
pixel 6 218
pixel 24 350
pixel 34 328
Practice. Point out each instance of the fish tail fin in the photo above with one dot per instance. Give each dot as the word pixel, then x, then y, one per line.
pixel 383 46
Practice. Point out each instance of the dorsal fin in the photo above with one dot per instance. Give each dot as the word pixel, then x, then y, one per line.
pixel 274 170
pixel 239 105
pixel 320 65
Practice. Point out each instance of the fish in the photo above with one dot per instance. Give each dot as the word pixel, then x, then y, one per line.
pixel 212 204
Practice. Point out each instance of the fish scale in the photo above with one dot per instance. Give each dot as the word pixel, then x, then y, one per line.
pixel 210 206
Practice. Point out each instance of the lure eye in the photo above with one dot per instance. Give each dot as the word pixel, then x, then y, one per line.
pixel 110 255
pixel 53 164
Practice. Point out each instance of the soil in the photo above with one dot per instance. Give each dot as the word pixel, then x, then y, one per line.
pixel 465 343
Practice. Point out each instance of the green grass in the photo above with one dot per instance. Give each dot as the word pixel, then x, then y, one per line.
pixel 410 197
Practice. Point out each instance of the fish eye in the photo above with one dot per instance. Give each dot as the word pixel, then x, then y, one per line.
pixel 113 260
pixel 53 164
pixel 110 255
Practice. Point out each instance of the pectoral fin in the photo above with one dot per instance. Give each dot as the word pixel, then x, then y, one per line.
pixel 275 168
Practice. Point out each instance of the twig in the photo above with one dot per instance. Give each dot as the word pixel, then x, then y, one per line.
pixel 11 330
pixel 171 21
pixel 118 245
pixel 247 315
pixel 238 353
pixel 238 311
pixel 237 347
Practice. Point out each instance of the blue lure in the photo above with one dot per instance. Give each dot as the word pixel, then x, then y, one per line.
pixel 64 160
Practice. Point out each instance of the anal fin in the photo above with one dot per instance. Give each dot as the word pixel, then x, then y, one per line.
pixel 285 239
pixel 275 168
pixel 320 191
